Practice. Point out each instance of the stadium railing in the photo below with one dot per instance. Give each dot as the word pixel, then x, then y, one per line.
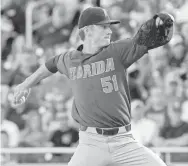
pixel 167 151
pixel 29 21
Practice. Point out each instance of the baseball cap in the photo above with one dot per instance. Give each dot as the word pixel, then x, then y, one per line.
pixel 95 16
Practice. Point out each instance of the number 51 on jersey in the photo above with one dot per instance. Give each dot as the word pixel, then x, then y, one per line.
pixel 109 84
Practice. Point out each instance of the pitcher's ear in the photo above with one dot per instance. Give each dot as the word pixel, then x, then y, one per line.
pixel 85 30
pixel 88 30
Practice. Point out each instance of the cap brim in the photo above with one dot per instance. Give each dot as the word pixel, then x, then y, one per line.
pixel 108 22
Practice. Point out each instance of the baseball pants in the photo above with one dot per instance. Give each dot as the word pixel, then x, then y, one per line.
pixel 118 150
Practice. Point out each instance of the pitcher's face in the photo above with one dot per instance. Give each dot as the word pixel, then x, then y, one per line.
pixel 101 34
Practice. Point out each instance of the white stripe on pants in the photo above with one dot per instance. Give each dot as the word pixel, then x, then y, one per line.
pixel 118 150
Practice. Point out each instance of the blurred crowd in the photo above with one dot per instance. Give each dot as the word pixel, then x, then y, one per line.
pixel 158 81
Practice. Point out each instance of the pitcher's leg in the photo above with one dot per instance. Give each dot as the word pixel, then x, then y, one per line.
pixel 89 155
pixel 134 154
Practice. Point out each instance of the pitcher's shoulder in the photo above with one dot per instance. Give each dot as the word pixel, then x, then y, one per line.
pixel 122 41
pixel 121 44
pixel 73 53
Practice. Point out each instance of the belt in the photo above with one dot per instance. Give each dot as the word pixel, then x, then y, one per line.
pixel 106 131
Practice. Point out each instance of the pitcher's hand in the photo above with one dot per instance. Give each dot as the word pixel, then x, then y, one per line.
pixel 20 94
pixel 164 19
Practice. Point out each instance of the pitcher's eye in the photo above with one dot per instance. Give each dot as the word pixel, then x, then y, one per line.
pixel 105 26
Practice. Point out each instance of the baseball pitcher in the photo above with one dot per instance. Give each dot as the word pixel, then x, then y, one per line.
pixel 97 71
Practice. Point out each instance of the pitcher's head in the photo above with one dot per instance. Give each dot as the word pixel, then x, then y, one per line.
pixel 94 25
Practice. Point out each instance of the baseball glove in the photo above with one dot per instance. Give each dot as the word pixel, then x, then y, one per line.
pixel 152 36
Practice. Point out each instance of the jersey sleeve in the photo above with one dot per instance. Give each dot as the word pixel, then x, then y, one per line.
pixel 51 64
pixel 128 51
pixel 58 63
